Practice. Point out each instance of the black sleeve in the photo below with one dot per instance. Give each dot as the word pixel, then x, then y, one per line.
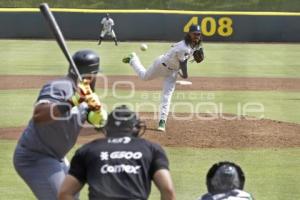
pixel 78 168
pixel 159 161
pixel 183 67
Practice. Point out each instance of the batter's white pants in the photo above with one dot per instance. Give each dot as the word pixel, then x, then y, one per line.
pixel 157 69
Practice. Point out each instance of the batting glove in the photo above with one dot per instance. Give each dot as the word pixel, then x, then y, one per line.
pixel 83 89
pixel 93 102
pixel 97 118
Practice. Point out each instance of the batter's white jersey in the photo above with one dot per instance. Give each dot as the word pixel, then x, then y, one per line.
pixel 232 195
pixel 167 66
pixel 107 23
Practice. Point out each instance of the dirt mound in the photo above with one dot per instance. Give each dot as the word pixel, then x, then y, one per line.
pixel 191 131
pixel 196 132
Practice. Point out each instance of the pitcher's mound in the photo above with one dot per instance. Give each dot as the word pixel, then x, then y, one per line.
pixel 191 130
pixel 194 130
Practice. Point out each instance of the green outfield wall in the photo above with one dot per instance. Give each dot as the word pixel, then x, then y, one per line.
pixel 163 25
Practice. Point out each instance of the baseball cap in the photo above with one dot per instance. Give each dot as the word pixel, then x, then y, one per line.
pixel 194 29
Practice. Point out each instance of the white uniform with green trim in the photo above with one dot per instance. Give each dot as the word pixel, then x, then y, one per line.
pixel 166 66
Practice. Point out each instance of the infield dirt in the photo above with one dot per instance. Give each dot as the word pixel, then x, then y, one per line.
pixel 218 133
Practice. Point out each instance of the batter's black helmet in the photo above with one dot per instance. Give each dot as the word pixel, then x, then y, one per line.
pixel 122 120
pixel 87 62
pixel 223 177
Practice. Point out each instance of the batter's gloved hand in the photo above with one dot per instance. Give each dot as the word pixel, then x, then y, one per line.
pixel 93 102
pixel 83 89
pixel 198 55
pixel 97 118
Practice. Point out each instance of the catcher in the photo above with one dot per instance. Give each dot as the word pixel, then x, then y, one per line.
pixel 225 181
pixel 168 66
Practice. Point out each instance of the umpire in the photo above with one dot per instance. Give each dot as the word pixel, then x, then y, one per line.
pixel 120 166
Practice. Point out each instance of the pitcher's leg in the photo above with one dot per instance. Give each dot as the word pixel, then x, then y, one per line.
pixel 154 71
pixel 167 92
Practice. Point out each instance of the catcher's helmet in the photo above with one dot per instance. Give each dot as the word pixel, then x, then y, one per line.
pixel 223 177
pixel 87 62
pixel 122 120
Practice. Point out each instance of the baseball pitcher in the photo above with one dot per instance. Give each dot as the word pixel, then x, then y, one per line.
pixel 168 66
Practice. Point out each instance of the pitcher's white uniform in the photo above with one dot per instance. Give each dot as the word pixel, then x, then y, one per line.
pixel 107 23
pixel 167 66
pixel 232 195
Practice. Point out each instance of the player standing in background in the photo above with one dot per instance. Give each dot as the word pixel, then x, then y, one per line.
pixel 107 29
pixel 62 107
pixel 225 181
pixel 120 166
pixel 168 66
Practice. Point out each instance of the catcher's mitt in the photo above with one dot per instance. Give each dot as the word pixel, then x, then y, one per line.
pixel 198 55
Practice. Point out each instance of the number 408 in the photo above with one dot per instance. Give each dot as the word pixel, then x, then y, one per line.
pixel 209 26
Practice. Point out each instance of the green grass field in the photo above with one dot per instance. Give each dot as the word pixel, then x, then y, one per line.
pixel 277 105
pixel 270 173
pixel 222 59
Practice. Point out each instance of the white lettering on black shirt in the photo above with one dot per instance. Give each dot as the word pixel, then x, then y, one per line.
pixel 129 169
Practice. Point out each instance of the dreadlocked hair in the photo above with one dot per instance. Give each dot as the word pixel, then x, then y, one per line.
pixel 188 41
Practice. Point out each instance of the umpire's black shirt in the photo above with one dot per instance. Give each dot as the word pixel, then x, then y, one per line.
pixel 118 167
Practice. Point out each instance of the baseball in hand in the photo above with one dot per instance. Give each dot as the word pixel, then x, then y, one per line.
pixel 143 47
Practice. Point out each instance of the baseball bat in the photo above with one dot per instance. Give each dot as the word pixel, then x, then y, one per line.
pixel 45 10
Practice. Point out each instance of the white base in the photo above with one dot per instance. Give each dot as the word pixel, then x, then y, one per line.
pixel 182 82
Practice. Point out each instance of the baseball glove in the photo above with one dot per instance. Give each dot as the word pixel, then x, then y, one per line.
pixel 198 55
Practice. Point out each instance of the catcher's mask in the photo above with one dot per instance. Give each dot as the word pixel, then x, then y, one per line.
pixel 87 63
pixel 223 177
pixel 124 121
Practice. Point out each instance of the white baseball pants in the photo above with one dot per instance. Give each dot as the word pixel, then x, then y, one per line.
pixel 158 69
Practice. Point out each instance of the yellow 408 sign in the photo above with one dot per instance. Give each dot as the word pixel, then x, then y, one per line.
pixel 210 26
